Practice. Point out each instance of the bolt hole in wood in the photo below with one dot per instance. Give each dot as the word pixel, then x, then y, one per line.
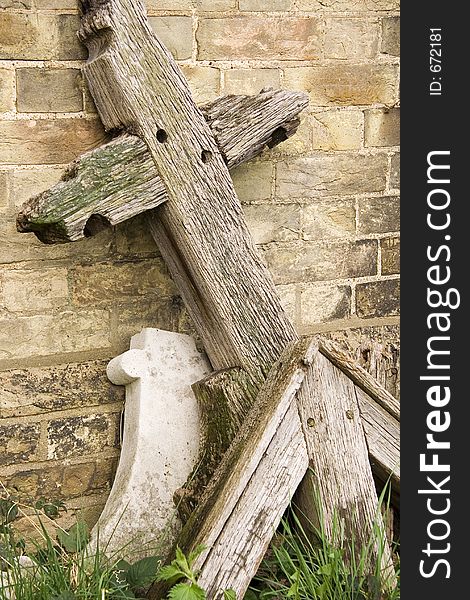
pixel 279 135
pixel 206 156
pixel 311 422
pixel 95 224
pixel 162 136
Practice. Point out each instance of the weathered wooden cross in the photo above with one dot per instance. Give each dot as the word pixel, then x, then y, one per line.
pixel 305 412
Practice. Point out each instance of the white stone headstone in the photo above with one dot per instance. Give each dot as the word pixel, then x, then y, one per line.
pixel 160 442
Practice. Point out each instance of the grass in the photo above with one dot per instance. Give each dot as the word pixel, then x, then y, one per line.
pixel 298 566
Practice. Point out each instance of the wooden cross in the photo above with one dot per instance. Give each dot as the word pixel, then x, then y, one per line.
pixel 181 164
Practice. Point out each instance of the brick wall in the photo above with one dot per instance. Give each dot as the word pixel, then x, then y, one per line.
pixel 323 208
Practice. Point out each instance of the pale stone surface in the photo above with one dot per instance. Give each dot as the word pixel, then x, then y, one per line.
pixel 268 223
pixel 391 36
pixel 253 181
pixel 3 189
pixel 337 130
pixel 268 38
pixel 153 5
pixel 379 215
pixel 7 86
pixel 395 171
pixel 323 302
pixel 260 5
pixel 215 5
pixel 344 84
pixel 329 175
pixel 330 219
pixel 203 81
pixel 47 334
pixel 348 5
pixel 382 127
pixel 49 90
pixel 176 33
pixel 26 183
pixel 33 289
pixel 160 441
pixel 250 81
pixel 322 262
pixel 348 38
pixel 48 142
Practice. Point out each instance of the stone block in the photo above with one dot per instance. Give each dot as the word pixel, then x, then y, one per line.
pixel 19 442
pixel 351 38
pixel 49 90
pixel 37 142
pixel 331 175
pixel 391 36
pixel 321 303
pixel 7 89
pixel 309 262
pixel 203 81
pixel 253 181
pixel 263 38
pixel 345 84
pixel 390 250
pixel 268 223
pixel 395 171
pixel 329 219
pixel 382 127
pixel 26 183
pixel 337 130
pixel 348 5
pixel 33 289
pixel 264 5
pixel 250 81
pixel 378 299
pixel 379 215
pixel 176 33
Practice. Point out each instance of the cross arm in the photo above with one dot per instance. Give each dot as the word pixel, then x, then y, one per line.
pixel 119 180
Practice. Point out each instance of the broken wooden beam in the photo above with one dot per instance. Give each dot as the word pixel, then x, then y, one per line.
pixel 291 426
pixel 119 180
pixel 201 231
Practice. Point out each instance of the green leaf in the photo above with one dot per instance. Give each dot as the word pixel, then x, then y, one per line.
pixel 143 572
pixel 186 591
pixel 250 595
pixel 294 588
pixel 76 538
pixel 170 573
pixel 198 550
pixel 230 595
pixel 8 510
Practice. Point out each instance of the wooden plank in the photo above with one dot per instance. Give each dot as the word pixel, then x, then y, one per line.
pixel 227 289
pixel 119 180
pixel 360 376
pixel 272 428
pixel 339 461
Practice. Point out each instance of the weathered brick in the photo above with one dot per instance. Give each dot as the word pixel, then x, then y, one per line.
pixel 56 4
pixel 33 289
pixel 49 90
pixel 155 5
pixel 264 5
pixel 288 296
pixel 298 144
pixel 378 299
pixel 26 183
pixel 250 81
pixel 176 33
pixel 313 262
pixel 331 219
pixel 77 479
pixel 43 335
pixel 253 181
pixel 348 5
pixel 379 215
pixel 48 142
pixel 43 389
pixel 329 175
pixel 7 89
pixel 69 437
pixel 390 248
pixel 3 189
pixel 24 483
pixel 391 36
pixel 382 127
pixel 38 36
pixel 203 81
pixel 270 38
pixel 269 223
pixel 320 303
pixel 215 5
pixel 337 130
pixel 15 3
pixel 348 38
pixel 395 171
pixel 344 84
pixel 110 282
pixel 133 238
pixel 19 442
pixel 104 473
